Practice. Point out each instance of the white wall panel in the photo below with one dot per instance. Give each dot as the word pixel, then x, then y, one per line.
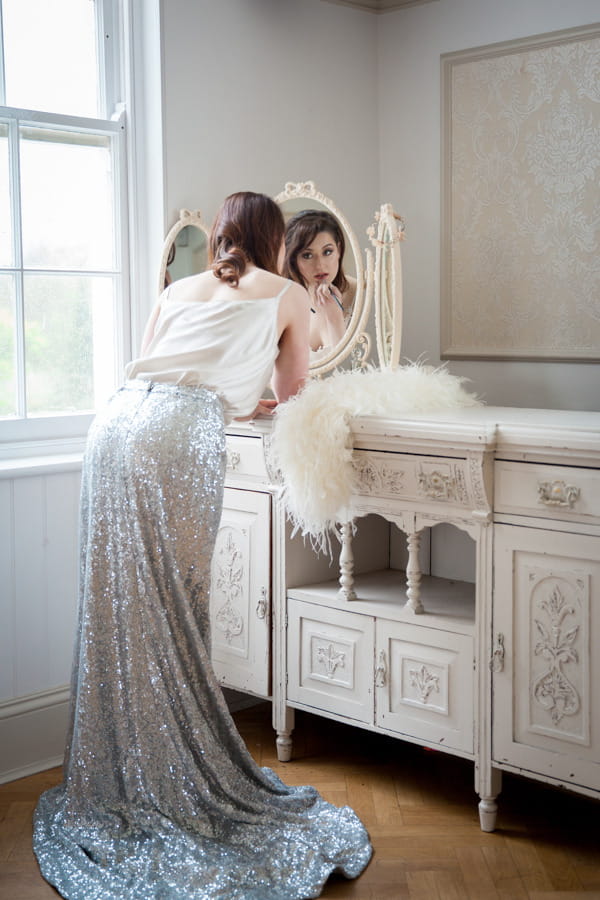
pixel 39 563
pixel 62 564
pixel 7 596
pixel 31 622
pixel 45 566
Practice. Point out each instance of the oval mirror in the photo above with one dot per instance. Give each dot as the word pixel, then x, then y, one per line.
pixel 298 201
pixel 386 235
pixel 185 250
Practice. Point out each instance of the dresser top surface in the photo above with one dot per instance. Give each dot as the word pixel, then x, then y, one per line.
pixel 563 436
pixel 508 431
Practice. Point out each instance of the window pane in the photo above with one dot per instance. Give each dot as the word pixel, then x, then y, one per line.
pixel 69 342
pixel 6 256
pixel 66 196
pixel 50 55
pixel 8 384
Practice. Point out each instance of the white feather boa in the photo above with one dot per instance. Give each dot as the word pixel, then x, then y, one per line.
pixel 311 446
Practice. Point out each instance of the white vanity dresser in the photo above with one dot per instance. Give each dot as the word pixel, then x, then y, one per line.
pixel 503 670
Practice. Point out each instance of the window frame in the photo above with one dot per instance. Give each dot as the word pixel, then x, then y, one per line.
pixel 32 435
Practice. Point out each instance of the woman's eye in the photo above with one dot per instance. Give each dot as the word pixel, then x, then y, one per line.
pixel 306 255
pixel 328 252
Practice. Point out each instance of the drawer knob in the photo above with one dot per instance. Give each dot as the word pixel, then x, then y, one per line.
pixel 558 493
pixel 261 606
pixel 497 660
pixel 233 459
pixel 381 671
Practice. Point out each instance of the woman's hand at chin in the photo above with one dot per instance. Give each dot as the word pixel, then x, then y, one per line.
pixel 327 296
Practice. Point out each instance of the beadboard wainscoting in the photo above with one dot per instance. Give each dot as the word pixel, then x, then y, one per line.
pixel 39 502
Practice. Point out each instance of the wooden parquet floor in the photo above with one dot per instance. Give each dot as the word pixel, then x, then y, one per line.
pixel 419 807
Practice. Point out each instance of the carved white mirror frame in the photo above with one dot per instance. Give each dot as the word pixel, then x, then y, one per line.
pixel 386 235
pixel 378 283
pixel 355 341
pixel 186 218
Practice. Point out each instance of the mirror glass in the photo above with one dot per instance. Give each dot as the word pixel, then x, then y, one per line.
pixel 185 251
pixel 339 314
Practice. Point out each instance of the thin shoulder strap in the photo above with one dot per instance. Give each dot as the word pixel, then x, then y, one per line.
pixel 288 283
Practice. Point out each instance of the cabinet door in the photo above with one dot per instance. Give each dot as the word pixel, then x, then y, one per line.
pixel 424 679
pixel 240 609
pixel 330 660
pixel 546 616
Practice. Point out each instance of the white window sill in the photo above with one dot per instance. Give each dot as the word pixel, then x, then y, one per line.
pixel 43 457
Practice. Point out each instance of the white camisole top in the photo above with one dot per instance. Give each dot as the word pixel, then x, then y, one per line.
pixel 227 346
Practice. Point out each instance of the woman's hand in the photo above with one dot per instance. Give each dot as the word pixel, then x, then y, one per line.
pixel 329 300
pixel 266 407
pixel 328 326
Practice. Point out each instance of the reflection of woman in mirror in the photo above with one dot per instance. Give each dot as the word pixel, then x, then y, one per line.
pixel 314 251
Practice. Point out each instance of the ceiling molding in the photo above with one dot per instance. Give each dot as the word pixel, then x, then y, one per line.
pixel 379 6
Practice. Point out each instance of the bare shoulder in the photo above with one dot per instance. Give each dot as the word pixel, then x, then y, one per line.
pixel 295 299
pixel 294 313
pixel 193 287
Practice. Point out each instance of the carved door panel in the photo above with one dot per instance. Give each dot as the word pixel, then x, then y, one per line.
pixel 330 654
pixel 546 622
pixel 240 598
pixel 424 684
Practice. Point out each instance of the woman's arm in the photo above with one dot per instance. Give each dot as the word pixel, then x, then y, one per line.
pixel 291 366
pixel 149 330
pixel 151 323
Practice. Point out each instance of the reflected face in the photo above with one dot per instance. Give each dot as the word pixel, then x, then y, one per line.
pixel 319 262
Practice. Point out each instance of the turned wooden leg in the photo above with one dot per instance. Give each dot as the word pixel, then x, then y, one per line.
pixel 283 723
pixel 347 564
pixel 284 746
pixel 490 787
pixel 488 810
pixel 413 573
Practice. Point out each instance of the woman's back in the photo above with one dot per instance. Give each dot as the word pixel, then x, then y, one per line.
pixel 207 333
pixel 254 284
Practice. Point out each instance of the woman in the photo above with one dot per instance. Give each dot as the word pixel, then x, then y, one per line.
pixel 314 251
pixel 160 797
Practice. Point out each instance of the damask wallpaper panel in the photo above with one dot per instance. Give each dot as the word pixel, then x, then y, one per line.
pixel 521 199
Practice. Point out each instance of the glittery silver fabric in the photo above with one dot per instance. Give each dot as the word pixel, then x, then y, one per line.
pixel 160 797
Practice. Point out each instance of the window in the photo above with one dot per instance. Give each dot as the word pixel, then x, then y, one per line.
pixel 62 214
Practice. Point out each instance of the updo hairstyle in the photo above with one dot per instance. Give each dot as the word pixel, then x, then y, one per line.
pixel 300 232
pixel 248 230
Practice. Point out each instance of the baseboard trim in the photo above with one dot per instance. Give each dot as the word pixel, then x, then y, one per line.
pixel 33 730
pixel 32 733
pixel 18 706
pixel 24 771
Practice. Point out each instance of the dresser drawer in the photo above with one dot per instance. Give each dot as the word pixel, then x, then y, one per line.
pixel 245 457
pixel 429 480
pixel 556 492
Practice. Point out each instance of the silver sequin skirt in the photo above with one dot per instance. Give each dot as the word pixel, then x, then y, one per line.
pixel 161 798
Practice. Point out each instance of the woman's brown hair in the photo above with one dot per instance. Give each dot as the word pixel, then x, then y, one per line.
pixel 300 232
pixel 248 229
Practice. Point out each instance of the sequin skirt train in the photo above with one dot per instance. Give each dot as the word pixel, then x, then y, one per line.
pixel 160 797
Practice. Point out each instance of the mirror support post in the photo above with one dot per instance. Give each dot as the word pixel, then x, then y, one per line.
pixel 386 235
